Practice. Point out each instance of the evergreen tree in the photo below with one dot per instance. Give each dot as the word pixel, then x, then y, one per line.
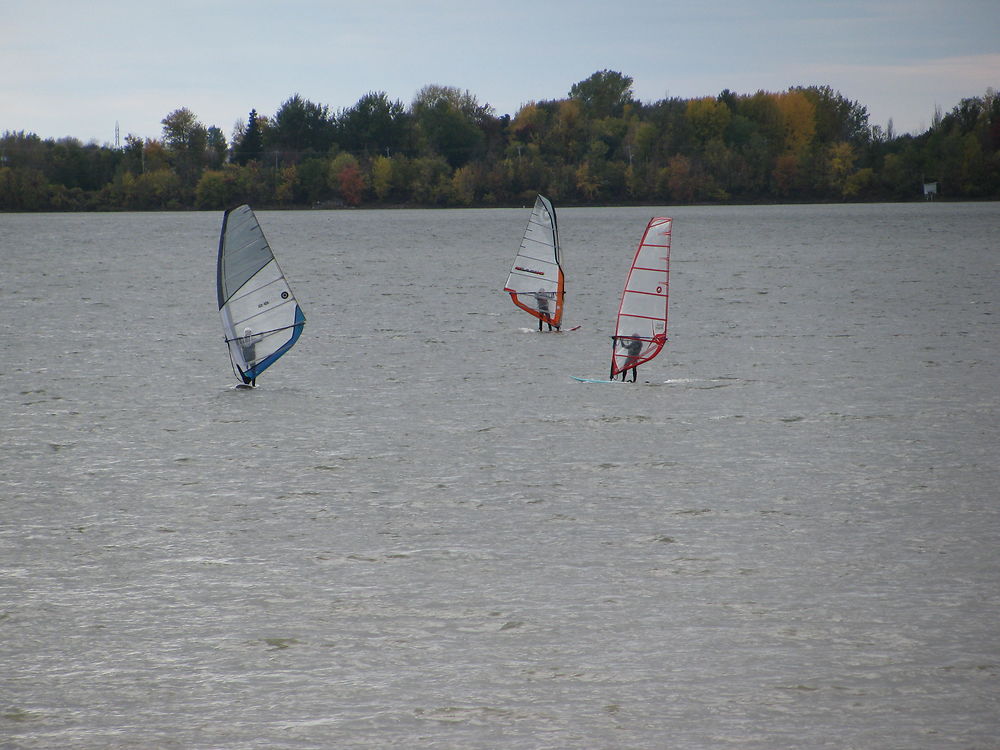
pixel 251 146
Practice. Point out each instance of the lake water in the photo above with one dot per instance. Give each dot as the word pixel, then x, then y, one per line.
pixel 420 532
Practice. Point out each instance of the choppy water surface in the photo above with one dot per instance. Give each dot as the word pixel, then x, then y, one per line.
pixel 419 531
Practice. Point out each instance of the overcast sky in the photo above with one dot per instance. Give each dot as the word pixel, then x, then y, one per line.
pixel 76 68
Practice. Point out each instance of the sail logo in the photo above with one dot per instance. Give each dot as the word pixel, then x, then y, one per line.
pixel 529 270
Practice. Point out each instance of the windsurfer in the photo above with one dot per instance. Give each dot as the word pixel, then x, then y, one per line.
pixel 632 346
pixel 248 346
pixel 542 298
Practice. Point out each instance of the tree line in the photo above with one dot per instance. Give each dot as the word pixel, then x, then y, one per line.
pixel 598 145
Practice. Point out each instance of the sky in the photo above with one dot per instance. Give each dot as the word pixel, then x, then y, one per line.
pixel 84 69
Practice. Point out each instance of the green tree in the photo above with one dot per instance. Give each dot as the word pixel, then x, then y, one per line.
pixel 186 141
pixel 604 94
pixel 836 117
pixel 158 189
pixel 217 147
pixel 447 120
pixel 374 125
pixel 217 189
pixel 22 189
pixel 313 182
pixel 133 159
pixel 429 180
pixel 450 133
pixel 464 101
pixel 298 128
pixel 250 145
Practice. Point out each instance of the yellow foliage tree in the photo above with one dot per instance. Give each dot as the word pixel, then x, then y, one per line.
pixel 840 163
pixel 288 178
pixel 586 181
pixel 569 128
pixel 529 122
pixel 382 177
pixel 799 119
pixel 464 183
pixel 708 118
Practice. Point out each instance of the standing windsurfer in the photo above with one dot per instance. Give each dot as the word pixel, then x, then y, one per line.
pixel 542 298
pixel 248 346
pixel 632 346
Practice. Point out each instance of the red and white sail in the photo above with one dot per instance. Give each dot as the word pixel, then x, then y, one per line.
pixel 536 283
pixel 641 331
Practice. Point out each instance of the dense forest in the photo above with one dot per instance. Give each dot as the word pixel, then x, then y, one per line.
pixel 597 146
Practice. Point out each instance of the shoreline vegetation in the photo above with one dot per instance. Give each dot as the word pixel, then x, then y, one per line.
pixel 597 146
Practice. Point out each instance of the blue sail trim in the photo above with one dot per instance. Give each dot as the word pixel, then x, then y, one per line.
pixel 297 326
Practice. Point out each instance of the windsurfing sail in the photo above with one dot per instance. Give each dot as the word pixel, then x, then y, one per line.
pixel 260 316
pixel 536 283
pixel 641 330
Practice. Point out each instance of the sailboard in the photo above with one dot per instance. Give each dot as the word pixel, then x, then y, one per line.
pixel 536 283
pixel 641 328
pixel 261 318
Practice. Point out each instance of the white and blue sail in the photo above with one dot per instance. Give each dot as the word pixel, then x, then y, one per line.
pixel 260 316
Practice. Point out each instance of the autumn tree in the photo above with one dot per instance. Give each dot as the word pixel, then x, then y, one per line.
pixel 798 120
pixel 530 123
pixel 709 119
pixel 346 178
pixel 382 177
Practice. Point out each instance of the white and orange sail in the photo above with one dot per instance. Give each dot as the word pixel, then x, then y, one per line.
pixel 536 282
pixel 641 330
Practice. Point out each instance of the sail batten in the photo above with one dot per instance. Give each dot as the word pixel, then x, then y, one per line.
pixel 536 282
pixel 641 327
pixel 261 318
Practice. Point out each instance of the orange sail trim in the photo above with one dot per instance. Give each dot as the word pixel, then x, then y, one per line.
pixel 641 329
pixel 539 304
